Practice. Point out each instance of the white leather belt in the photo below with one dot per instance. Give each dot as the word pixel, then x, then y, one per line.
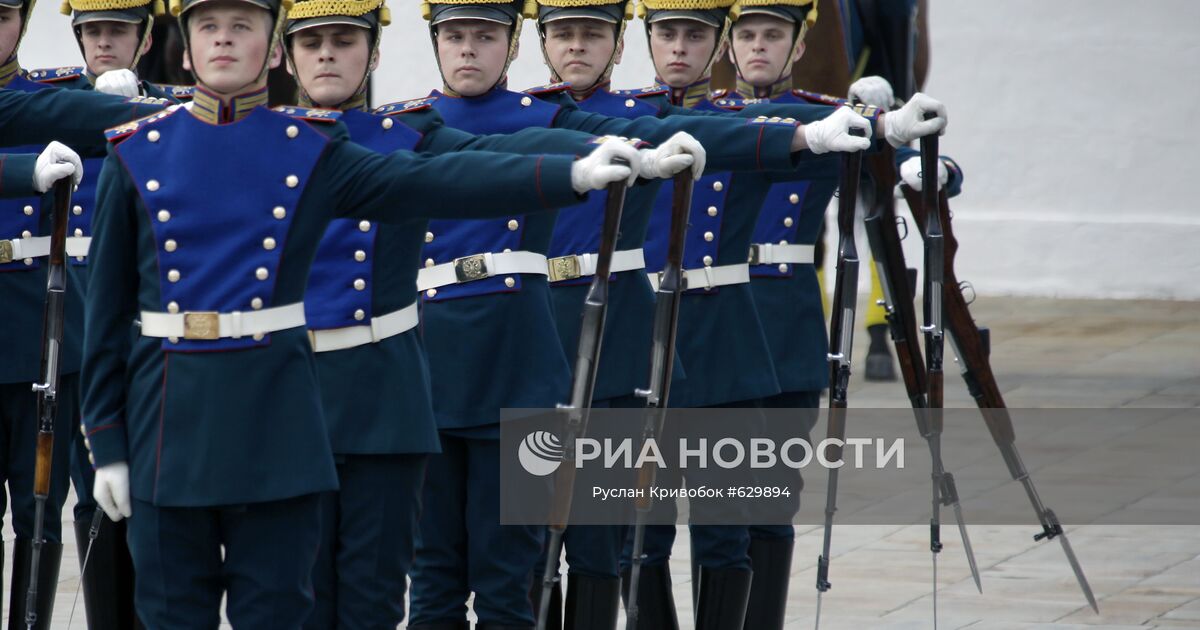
pixel 709 277
pixel 213 325
pixel 582 265
pixel 379 329
pixel 478 267
pixel 773 254
pixel 39 247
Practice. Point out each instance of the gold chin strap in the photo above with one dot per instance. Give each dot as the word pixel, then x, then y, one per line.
pixel 9 71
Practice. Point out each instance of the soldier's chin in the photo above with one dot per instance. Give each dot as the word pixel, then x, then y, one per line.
pixel 226 80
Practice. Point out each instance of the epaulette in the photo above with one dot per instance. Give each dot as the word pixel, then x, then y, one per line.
pixel 736 102
pixel 868 111
pixel 180 92
pixel 311 114
pixel 653 90
pixel 772 120
pixel 402 107
pixel 54 75
pixel 116 134
pixel 548 89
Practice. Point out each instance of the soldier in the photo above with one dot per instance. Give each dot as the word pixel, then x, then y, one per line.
pixel 209 430
pixel 361 310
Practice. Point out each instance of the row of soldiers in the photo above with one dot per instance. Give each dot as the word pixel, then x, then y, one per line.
pixel 272 415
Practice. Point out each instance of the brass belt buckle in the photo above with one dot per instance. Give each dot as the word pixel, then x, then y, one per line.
pixel 6 252
pixel 564 268
pixel 202 325
pixel 470 268
pixel 756 255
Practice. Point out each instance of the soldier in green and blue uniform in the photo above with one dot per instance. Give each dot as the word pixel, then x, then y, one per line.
pixel 209 430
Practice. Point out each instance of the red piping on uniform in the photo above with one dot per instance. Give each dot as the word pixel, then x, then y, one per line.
pixel 105 428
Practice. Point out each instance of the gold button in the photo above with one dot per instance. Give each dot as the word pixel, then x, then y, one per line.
pixel 707 260
pixel 78 231
pixel 28 261
pixel 794 198
pixel 173 275
pixel 261 273
pixel 629 103
pixel 279 212
pixel 718 186
pixel 364 226
pixel 152 185
pixel 172 307
pixel 359 314
pixel 258 336
pixel 164 216
pixel 787 222
pixel 526 101
pixel 359 284
pixel 783 268
pixel 429 237
pixel 26 234
pixel 360 255
pixel 91 457
pixel 430 293
pixel 153 136
pixel 429 262
pixel 387 123
pixel 28 211
pixel 79 258
pixel 292 131
pixel 708 236
pixel 292 181
pixel 513 225
pixel 509 282
pixel 256 303
pixel 172 340
pixel 507 249
pixel 77 210
pixel 170 245
pixel 712 211
pixel 268 243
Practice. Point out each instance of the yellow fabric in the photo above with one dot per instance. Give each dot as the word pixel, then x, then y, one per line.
pixel 681 5
pixel 528 7
pixel 587 3
pixel 810 18
pixel 876 314
pixel 323 8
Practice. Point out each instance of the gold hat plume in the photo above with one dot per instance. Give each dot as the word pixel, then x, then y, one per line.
pixel 682 5
pixel 70 6
pixel 563 4
pixel 322 8
pixel 810 18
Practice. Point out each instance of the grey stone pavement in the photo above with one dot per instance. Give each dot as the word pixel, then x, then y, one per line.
pixel 1048 354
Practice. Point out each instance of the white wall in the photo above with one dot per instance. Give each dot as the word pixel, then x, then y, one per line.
pixel 1075 121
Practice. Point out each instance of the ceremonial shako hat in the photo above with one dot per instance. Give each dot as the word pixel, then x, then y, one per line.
pixel 611 11
pixel 501 12
pixel 180 8
pixel 25 8
pixel 368 14
pixel 128 11
pixel 710 12
pixel 797 11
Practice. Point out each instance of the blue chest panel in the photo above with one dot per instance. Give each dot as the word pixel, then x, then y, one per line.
pixel 335 297
pixel 499 111
pixel 705 220
pixel 219 246
pixel 21 217
pixel 778 222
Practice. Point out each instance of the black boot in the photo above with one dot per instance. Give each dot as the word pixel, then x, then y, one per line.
pixel 107 582
pixel 555 619
pixel 443 625
pixel 655 602
pixel 724 594
pixel 592 602
pixel 492 626
pixel 879 357
pixel 772 562
pixel 47 584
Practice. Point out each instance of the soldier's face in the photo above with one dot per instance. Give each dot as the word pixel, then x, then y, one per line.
pixel 762 49
pixel 331 61
pixel 681 50
pixel 472 54
pixel 579 50
pixel 109 45
pixel 228 45
pixel 10 32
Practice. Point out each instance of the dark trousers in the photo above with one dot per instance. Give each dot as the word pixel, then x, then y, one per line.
pixel 18 448
pixel 461 546
pixel 259 555
pixel 807 405
pixel 367 531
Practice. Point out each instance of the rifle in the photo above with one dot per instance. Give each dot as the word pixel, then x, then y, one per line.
pixel 841 342
pixel 972 346
pixel 662 364
pixel 587 360
pixel 881 225
pixel 47 389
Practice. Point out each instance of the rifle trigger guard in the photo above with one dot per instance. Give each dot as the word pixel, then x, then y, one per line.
pixel 902 223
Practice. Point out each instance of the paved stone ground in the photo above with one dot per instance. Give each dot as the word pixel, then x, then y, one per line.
pixel 1046 353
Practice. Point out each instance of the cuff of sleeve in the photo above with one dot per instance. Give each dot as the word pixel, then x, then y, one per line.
pixel 775 148
pixel 955 181
pixel 16 175
pixel 554 181
pixel 108 444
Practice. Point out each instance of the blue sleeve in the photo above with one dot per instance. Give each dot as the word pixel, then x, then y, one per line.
pixel 16 175
pixel 953 185
pixel 74 117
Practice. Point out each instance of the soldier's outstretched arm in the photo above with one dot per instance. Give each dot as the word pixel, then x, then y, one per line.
pixel 16 175
pixel 437 138
pixel 74 117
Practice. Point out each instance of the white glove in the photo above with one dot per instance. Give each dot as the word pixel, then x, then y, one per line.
pixel 120 82
pixel 671 157
pixel 908 123
pixel 111 490
pixel 873 91
pixel 597 170
pixel 56 162
pixel 833 132
pixel 910 172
